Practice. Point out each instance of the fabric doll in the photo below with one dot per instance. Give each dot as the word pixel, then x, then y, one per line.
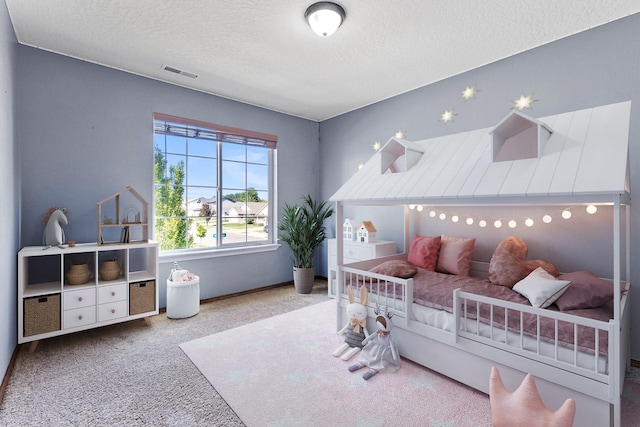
pixel 379 351
pixel 356 329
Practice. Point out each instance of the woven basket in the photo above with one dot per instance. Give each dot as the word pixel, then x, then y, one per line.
pixel 142 297
pixel 110 269
pixel 41 314
pixel 78 274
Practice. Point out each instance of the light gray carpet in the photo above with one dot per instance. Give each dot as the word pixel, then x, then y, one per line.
pixel 134 375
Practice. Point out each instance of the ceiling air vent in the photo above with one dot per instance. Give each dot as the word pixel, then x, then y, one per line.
pixel 176 71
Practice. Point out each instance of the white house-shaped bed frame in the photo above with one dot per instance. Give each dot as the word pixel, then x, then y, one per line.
pixel 580 157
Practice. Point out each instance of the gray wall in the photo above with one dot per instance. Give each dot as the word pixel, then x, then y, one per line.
pixel 9 186
pixel 596 67
pixel 85 133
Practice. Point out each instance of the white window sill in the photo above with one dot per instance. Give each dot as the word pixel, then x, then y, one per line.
pixel 171 256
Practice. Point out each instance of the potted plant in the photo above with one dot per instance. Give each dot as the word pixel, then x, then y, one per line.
pixel 304 231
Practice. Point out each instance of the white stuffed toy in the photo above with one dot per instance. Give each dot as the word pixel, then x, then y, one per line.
pixel 356 329
pixel 379 351
pixel 53 234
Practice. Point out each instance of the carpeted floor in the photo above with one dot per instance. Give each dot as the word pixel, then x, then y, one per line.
pixel 133 375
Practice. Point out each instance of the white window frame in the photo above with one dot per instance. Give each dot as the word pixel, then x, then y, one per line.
pixel 222 249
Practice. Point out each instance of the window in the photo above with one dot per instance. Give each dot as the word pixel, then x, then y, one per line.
pixel 213 185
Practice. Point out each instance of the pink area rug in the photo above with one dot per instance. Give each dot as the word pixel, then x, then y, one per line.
pixel 280 372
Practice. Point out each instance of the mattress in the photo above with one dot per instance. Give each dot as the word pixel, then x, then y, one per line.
pixel 433 306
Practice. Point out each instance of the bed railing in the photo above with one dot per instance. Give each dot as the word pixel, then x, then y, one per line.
pixel 508 335
pixel 394 293
pixel 544 343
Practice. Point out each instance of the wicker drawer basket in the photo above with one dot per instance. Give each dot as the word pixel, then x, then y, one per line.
pixel 142 297
pixel 41 314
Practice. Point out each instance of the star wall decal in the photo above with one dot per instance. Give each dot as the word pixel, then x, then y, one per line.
pixel 376 145
pixel 523 102
pixel 469 93
pixel 400 134
pixel 447 116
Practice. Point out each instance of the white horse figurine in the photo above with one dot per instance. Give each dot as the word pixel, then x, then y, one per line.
pixel 53 234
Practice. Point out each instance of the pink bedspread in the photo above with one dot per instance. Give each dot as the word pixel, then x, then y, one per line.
pixel 435 290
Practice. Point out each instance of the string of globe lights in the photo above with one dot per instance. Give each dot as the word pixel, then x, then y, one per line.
pixel 468 93
pixel 591 209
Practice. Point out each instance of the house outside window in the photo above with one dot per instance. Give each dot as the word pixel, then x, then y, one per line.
pixel 213 185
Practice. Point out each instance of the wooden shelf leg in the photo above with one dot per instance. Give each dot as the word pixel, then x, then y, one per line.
pixel 33 345
pixel 147 320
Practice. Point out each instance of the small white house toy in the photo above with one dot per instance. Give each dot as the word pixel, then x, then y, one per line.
pixel 366 232
pixel 349 230
pixel 123 218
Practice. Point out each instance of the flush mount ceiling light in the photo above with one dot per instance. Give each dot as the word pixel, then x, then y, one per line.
pixel 324 17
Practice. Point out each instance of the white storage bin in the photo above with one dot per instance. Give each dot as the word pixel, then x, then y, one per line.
pixel 183 297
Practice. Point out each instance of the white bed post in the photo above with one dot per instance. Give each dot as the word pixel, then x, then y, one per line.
pixel 627 252
pixel 622 337
pixel 339 260
pixel 407 227
pixel 616 370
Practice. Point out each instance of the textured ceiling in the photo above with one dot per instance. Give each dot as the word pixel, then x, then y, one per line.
pixel 262 52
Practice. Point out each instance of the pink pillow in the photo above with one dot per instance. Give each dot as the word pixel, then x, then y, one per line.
pixel 455 255
pixel 586 291
pixel 508 264
pixel 396 268
pixel 424 252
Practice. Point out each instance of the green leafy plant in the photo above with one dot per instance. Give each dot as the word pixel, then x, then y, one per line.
pixel 201 231
pixel 304 230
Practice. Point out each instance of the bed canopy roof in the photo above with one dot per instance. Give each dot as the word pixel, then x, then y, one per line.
pixel 579 157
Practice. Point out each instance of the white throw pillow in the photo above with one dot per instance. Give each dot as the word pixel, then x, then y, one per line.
pixel 541 288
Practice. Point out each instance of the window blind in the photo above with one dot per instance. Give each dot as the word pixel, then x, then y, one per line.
pixel 170 125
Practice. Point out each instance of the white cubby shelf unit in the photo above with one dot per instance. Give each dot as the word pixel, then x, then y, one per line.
pixel 49 305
